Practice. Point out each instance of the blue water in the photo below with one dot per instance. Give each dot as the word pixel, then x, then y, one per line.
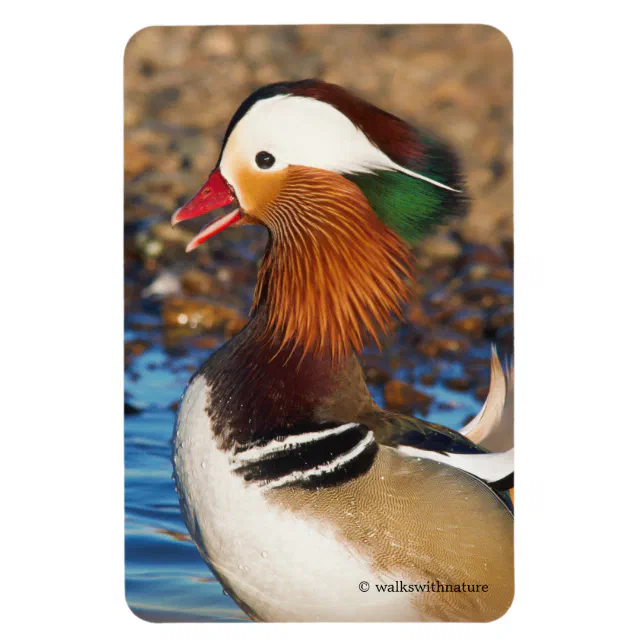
pixel 166 579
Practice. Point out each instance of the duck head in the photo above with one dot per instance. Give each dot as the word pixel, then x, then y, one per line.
pixel 342 187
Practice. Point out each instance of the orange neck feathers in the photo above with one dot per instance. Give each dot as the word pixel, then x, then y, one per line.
pixel 333 274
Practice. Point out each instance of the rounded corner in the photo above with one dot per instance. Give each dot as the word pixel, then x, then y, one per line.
pixel 133 37
pixel 507 610
pixel 502 34
pixel 136 614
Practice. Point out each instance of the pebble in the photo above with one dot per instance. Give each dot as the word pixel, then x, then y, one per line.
pixel 503 316
pixel 198 314
pixel 469 321
pixel 428 379
pixel 458 384
pixel 400 396
pixel 167 283
pixel 443 342
pixel 131 410
pixel 197 282
pixel 376 376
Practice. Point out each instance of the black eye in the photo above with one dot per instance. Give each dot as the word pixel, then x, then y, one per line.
pixel 264 160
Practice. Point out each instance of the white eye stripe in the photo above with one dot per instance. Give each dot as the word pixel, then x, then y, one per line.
pixel 299 130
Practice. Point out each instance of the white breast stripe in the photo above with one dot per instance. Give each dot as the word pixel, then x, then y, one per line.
pixel 259 452
pixel 489 467
pixel 323 469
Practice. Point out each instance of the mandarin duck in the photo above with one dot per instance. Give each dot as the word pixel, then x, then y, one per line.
pixel 307 500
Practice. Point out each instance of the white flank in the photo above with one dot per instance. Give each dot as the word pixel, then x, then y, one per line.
pixel 489 467
pixel 285 567
pixel 322 469
pixel 258 453
pixel 299 130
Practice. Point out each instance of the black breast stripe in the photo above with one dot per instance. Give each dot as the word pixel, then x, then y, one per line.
pixel 318 458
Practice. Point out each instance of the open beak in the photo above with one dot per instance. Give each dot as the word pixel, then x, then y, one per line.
pixel 215 193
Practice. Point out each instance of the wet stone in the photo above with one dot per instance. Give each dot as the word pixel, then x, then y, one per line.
pixel 481 392
pixel 234 326
pixel 443 342
pixel 416 315
pixel 502 317
pixel 469 321
pixel 505 338
pixel 442 247
pixel 136 347
pixel 196 282
pixel 487 293
pixel 400 396
pixel 137 160
pixel 208 342
pixel 131 410
pixel 374 370
pixel 458 384
pixel 476 272
pixel 482 254
pixel 449 405
pixel 428 379
pixel 196 314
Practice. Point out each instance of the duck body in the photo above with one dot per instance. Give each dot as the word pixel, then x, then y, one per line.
pixel 297 549
pixel 308 501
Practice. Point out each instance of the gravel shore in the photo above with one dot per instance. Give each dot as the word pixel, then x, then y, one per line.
pixel 182 85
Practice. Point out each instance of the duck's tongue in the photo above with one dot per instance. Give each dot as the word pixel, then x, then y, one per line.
pixel 215 193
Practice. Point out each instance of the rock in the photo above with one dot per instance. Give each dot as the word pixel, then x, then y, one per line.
pixel 210 342
pixel 399 396
pixel 487 293
pixel 234 326
pixel 508 248
pixel 442 247
pixel 482 254
pixel 476 272
pixel 449 404
pixel 196 282
pixel 131 410
pixel 443 342
pixel 196 314
pixel 481 392
pixel 458 384
pixel 374 370
pixel 428 379
pixel 137 160
pixel 503 316
pixel 469 321
pixel 416 315
pixel 503 273
pixel 166 284
pixel 505 338
pixel 137 347
pixel 218 42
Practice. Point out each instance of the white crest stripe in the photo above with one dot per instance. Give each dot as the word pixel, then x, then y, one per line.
pixel 416 175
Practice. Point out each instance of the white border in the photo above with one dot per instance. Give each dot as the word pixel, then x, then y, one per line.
pixel 579 321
